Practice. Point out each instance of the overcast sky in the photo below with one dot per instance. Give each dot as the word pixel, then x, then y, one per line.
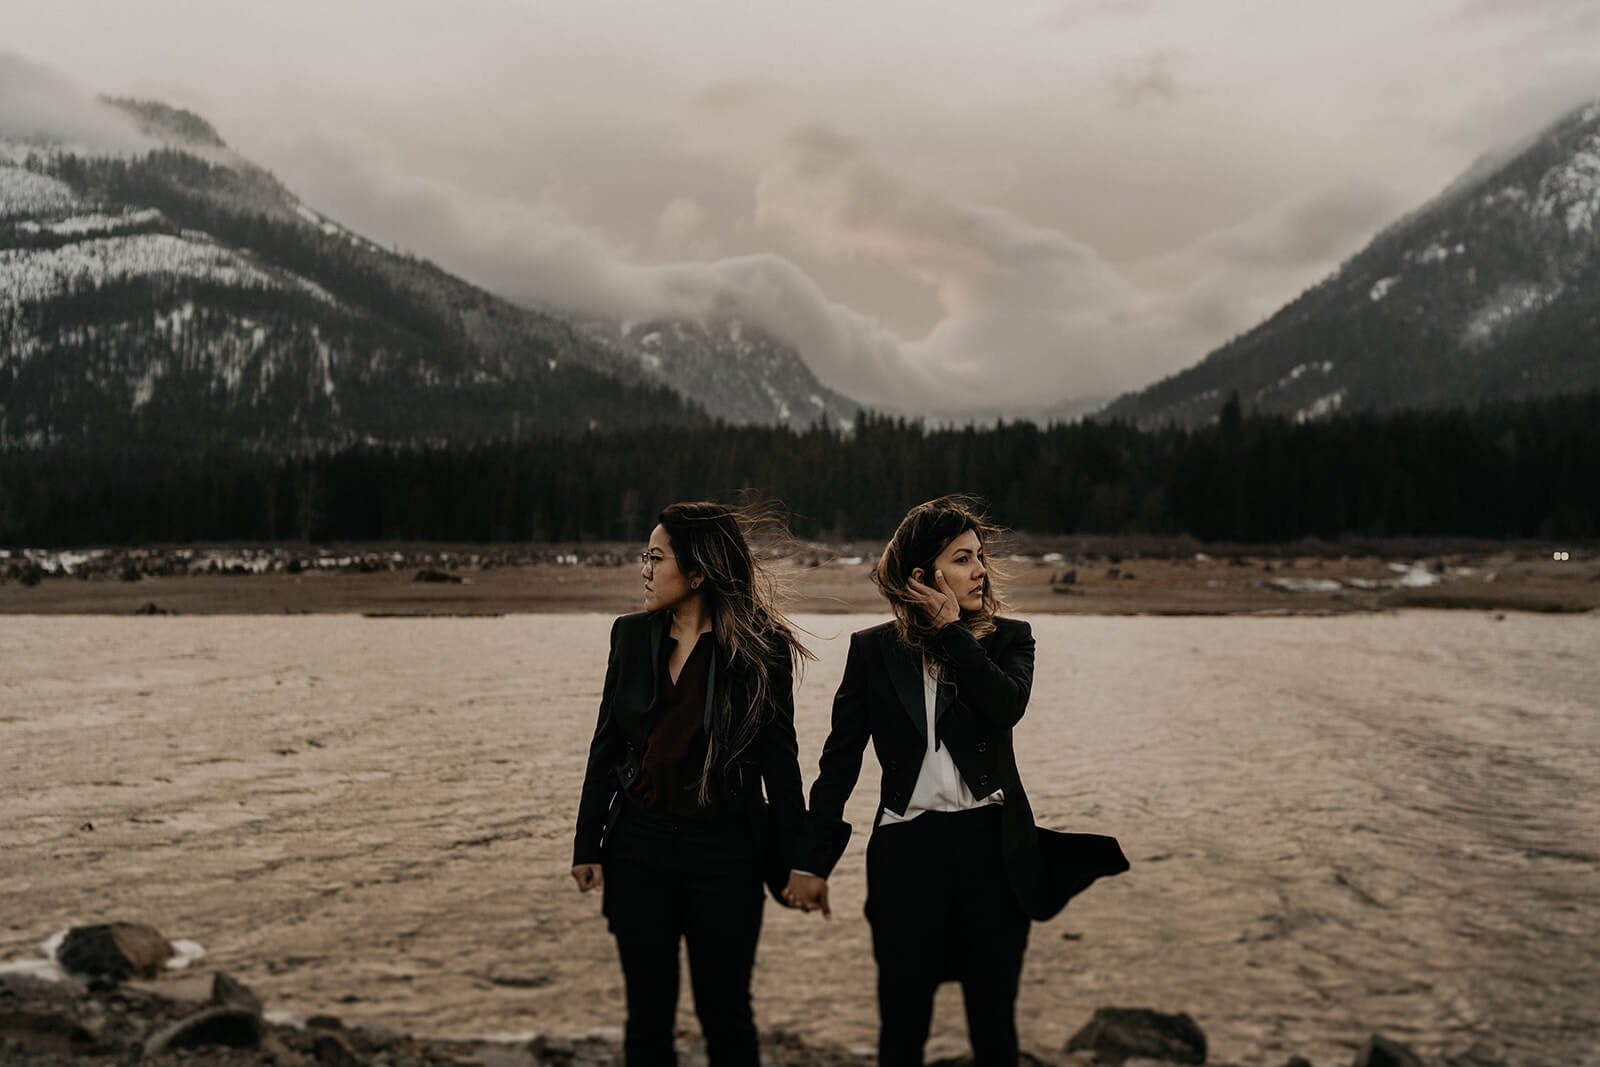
pixel 946 205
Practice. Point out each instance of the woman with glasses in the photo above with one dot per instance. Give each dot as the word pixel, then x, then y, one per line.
pixel 696 723
pixel 956 869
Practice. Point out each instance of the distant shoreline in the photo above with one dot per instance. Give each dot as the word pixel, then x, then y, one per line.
pixel 1079 576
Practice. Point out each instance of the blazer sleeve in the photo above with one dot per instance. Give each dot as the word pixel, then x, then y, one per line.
pixel 826 832
pixel 599 777
pixel 997 689
pixel 780 760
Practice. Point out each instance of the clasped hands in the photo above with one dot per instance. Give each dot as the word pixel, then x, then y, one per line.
pixel 808 893
pixel 804 891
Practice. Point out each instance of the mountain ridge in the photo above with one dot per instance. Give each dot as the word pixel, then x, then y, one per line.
pixel 188 286
pixel 1490 290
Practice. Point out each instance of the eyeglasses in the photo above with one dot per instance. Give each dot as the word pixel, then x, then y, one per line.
pixel 648 562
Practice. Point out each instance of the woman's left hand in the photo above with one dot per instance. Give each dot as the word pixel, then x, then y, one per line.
pixel 938 600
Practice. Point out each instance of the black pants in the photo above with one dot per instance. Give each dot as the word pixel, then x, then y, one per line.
pixel 941 909
pixel 668 879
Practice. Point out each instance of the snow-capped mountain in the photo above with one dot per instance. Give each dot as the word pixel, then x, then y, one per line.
pixel 185 295
pixel 1490 291
pixel 732 369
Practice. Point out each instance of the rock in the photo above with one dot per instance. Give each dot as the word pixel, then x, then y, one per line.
pixel 333 1049
pixel 428 574
pixel 1297 1061
pixel 113 952
pixel 1117 1034
pixel 229 991
pixel 1379 1051
pixel 225 1025
pixel 43 1031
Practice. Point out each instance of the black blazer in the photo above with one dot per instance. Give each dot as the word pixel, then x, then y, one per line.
pixel 881 698
pixel 627 715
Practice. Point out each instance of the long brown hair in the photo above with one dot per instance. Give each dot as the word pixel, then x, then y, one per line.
pixel 741 595
pixel 917 541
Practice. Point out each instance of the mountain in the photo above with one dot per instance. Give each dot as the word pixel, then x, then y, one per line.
pixel 731 368
pixel 186 296
pixel 1490 291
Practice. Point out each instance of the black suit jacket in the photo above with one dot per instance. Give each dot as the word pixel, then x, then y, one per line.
pixel 627 715
pixel 881 698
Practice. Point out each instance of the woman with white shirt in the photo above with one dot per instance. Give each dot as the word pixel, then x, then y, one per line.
pixel 956 869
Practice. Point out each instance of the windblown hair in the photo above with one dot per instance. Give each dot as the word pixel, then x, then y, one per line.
pixel 924 533
pixel 752 635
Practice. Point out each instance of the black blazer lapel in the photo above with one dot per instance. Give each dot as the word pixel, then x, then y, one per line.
pixel 905 672
pixel 658 631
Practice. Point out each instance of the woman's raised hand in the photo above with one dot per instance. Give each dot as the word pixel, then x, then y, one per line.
pixel 588 876
pixel 938 600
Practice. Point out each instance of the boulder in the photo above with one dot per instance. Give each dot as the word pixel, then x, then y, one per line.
pixel 228 991
pixel 222 1025
pixel 1379 1051
pixel 112 952
pixel 333 1049
pixel 1117 1034
pixel 430 574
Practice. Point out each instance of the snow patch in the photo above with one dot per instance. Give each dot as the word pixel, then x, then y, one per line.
pixel 1305 585
pixel 1508 303
pixel 1323 405
pixel 1413 576
pixel 1437 253
pixel 1571 192
pixel 1381 287
pixel 24 193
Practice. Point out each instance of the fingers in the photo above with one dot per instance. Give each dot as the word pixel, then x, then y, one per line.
pixel 944 586
pixel 588 876
pixel 827 912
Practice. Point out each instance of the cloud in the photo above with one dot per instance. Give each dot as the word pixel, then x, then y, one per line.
pixel 536 254
pixel 39 101
pixel 1232 278
pixel 1027 312
pixel 1149 78
pixel 1080 12
pixel 1026 316
pixel 682 220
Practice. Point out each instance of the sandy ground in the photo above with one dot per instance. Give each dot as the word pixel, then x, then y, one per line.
pixel 1092 578
pixel 1338 825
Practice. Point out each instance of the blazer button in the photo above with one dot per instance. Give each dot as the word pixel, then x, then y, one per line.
pixel 983 779
pixel 983 746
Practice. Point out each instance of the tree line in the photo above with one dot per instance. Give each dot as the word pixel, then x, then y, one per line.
pixel 1529 469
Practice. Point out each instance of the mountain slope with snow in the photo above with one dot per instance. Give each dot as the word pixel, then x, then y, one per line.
pixel 185 295
pixel 1490 291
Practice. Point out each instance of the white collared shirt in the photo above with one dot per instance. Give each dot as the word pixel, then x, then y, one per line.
pixel 939 785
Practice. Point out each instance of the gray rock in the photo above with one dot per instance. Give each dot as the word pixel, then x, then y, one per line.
pixel 112 952
pixel 1117 1034
pixel 1297 1061
pixel 225 1025
pixel 228 990
pixel 1379 1051
pixel 333 1049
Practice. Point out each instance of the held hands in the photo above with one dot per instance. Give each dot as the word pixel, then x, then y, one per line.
pixel 938 600
pixel 588 876
pixel 808 893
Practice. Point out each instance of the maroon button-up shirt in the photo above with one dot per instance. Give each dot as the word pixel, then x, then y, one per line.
pixel 669 773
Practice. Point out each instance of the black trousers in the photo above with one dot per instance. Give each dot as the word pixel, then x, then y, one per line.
pixel 669 880
pixel 941 909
